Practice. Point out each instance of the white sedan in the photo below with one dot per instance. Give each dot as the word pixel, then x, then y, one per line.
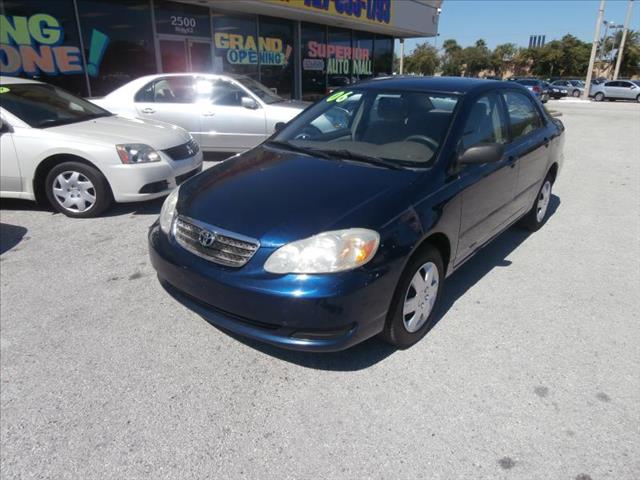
pixel 224 113
pixel 80 157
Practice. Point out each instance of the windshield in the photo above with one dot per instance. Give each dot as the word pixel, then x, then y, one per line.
pixel 42 106
pixel 259 90
pixel 406 128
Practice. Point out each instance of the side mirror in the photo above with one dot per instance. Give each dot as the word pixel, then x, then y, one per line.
pixel 279 126
pixel 248 102
pixel 481 153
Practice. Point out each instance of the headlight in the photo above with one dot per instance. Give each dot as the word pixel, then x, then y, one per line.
pixel 137 153
pixel 168 211
pixel 326 252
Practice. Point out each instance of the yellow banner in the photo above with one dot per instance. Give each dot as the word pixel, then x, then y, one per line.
pixel 379 12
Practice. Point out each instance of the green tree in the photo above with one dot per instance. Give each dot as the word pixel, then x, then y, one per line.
pixel 476 58
pixel 451 60
pixel 502 58
pixel 423 60
pixel 630 65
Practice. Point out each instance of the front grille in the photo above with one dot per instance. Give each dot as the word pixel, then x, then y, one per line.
pixel 214 244
pixel 184 151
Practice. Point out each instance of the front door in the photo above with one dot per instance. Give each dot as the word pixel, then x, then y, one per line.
pixel 179 55
pixel 487 202
pixel 10 180
pixel 226 124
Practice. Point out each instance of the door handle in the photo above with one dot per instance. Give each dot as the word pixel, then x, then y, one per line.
pixel 208 114
pixel 148 110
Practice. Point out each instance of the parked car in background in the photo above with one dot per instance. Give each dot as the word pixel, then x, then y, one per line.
pixel 55 146
pixel 615 90
pixel 334 231
pixel 554 91
pixel 573 87
pixel 536 87
pixel 224 113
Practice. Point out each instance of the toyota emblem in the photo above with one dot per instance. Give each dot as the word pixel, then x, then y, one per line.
pixel 206 238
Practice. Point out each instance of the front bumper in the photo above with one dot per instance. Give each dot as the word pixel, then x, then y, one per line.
pixel 127 181
pixel 298 312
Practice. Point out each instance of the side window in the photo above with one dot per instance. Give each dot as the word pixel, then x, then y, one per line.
pixel 486 123
pixel 226 94
pixel 168 90
pixel 523 116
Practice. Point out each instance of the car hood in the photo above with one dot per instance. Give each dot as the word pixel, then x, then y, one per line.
pixel 295 104
pixel 277 196
pixel 116 130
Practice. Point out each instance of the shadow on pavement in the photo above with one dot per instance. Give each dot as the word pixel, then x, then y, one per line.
pixel 10 236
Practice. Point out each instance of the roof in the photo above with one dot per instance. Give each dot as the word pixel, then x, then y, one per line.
pixel 434 84
pixel 5 80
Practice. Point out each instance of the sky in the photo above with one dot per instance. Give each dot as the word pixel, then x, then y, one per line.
pixel 503 21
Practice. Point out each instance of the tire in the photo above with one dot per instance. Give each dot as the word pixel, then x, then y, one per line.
pixel 78 190
pixel 397 329
pixel 638 99
pixel 576 93
pixel 598 97
pixel 537 216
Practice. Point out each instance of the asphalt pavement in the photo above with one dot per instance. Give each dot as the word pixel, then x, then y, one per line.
pixel 531 373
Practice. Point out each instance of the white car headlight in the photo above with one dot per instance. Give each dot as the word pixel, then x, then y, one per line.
pixel 133 153
pixel 168 211
pixel 326 252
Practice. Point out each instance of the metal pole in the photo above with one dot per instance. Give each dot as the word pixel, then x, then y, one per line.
pixel 594 48
pixel 401 56
pixel 627 20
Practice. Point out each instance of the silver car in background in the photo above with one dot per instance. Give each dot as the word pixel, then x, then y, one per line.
pixel 615 90
pixel 573 87
pixel 224 113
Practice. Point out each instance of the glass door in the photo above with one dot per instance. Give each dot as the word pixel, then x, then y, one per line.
pixel 199 56
pixel 173 55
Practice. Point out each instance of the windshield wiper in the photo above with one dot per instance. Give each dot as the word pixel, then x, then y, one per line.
pixel 349 155
pixel 299 149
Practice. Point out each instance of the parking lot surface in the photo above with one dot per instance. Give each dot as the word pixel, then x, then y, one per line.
pixel 532 372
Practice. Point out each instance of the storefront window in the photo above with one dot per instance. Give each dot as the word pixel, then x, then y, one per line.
pixel 39 39
pixel 276 55
pixel 181 19
pixel 338 58
pixel 314 72
pixel 118 41
pixel 236 46
pixel 362 55
pixel 383 56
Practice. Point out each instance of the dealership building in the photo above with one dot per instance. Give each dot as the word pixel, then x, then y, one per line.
pixel 299 48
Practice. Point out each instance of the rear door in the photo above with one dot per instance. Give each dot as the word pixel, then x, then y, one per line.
pixel 170 99
pixel 226 124
pixel 528 147
pixel 487 203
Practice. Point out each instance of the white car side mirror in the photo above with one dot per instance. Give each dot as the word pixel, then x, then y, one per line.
pixel 248 102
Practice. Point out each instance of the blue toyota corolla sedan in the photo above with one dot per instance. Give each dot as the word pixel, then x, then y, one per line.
pixel 346 222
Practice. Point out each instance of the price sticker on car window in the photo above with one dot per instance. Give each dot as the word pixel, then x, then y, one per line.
pixel 339 97
pixel 4 89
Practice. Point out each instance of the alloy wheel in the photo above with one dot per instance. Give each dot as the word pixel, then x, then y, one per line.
pixel 420 297
pixel 543 201
pixel 74 191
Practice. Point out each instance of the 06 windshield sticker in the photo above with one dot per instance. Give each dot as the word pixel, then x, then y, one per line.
pixel 339 97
